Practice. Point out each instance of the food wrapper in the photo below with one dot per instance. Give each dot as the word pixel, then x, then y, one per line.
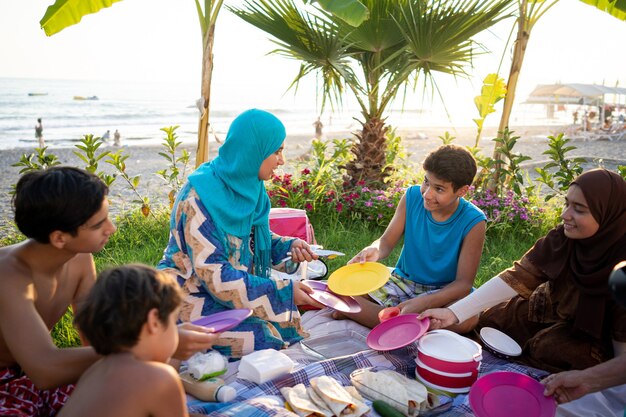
pixel 203 366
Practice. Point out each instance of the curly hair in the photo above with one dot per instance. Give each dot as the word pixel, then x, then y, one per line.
pixel 452 163
pixel 112 316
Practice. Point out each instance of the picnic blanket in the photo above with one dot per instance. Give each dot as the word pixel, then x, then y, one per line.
pixel 265 400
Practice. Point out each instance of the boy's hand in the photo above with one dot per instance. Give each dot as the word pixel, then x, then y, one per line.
pixel 301 295
pixel 301 251
pixel 369 254
pixel 439 318
pixel 193 338
pixel 414 305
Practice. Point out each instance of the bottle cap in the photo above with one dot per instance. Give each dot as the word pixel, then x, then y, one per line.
pixel 225 394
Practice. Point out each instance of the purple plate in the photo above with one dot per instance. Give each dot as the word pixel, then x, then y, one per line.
pixel 224 320
pixel 397 332
pixel 510 394
pixel 323 295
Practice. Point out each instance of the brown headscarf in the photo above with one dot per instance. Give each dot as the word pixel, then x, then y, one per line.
pixel 589 261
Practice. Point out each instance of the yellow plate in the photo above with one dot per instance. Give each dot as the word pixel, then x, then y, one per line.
pixel 358 279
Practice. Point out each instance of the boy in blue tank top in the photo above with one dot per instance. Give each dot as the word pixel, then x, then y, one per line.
pixel 443 240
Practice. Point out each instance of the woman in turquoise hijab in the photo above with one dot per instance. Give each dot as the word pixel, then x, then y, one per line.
pixel 221 249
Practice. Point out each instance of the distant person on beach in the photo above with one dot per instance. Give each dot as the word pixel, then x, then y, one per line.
pixel 221 248
pixel 45 274
pixel 318 128
pixel 106 136
pixel 129 318
pixel 39 133
pixel 117 138
pixel 443 240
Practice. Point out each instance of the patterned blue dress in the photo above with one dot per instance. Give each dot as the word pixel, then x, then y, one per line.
pixel 214 270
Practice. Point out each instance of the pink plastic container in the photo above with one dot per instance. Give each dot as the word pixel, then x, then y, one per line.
pixel 447 352
pixel 445 379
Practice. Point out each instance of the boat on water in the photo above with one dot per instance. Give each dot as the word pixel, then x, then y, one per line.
pixel 85 97
pixel 37 94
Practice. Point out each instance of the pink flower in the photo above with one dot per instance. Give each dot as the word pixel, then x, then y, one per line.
pixel 305 171
pixel 339 207
pixel 308 207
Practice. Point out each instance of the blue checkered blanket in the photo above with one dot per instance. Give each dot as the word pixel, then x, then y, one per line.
pixel 256 400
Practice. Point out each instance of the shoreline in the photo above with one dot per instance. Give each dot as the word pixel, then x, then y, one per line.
pixel 144 160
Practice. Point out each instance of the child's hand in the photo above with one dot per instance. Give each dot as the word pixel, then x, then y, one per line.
pixel 414 305
pixel 369 254
pixel 301 251
pixel 439 317
pixel 193 338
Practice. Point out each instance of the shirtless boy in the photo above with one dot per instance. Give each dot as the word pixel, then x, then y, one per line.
pixel 130 318
pixel 64 213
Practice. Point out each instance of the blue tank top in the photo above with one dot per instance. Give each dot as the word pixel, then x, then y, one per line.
pixel 431 249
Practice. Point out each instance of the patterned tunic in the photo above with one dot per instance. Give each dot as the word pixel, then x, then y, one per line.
pixel 214 270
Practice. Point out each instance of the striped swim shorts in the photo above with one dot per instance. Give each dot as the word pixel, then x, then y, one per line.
pixel 398 290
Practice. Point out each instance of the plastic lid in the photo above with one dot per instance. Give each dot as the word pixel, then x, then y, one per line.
pixel 225 394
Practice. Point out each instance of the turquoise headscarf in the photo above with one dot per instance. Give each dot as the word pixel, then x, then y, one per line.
pixel 229 186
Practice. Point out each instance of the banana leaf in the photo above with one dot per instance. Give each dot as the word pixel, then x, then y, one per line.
pixel 64 13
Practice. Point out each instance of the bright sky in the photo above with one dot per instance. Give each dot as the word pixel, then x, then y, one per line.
pixel 159 40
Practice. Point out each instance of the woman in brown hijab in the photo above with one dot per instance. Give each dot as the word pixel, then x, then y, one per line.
pixel 555 301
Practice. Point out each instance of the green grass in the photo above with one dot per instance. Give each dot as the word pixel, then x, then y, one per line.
pixel 140 239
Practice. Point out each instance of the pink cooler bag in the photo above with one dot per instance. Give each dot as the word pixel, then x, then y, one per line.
pixel 292 222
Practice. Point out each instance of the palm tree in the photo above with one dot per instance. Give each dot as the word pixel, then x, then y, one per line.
pixel 401 40
pixel 529 12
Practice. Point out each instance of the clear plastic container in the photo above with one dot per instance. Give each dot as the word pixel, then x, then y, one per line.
pixel 335 344
pixel 372 394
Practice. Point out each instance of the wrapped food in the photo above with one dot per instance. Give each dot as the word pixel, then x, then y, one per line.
pixel 302 404
pixel 324 398
pixel 406 395
pixel 337 398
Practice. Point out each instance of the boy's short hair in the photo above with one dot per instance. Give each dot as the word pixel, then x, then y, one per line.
pixel 117 307
pixel 452 163
pixel 57 198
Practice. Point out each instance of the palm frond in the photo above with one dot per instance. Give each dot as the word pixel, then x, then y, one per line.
pixel 307 36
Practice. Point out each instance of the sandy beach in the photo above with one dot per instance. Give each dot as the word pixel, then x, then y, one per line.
pixel 145 160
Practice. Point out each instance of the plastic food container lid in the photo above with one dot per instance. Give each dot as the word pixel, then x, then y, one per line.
pixel 449 346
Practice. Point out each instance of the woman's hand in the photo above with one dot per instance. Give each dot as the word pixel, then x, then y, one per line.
pixel 301 295
pixel 368 254
pixel 439 318
pixel 566 386
pixel 193 338
pixel 301 251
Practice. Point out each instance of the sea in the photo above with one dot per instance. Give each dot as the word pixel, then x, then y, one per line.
pixel 70 109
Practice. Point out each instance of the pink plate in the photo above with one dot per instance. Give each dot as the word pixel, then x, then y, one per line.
pixel 224 320
pixel 510 394
pixel 397 332
pixel 322 294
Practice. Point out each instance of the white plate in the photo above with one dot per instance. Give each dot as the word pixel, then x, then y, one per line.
pixel 500 342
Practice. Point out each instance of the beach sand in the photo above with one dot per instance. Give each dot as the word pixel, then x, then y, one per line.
pixel 145 160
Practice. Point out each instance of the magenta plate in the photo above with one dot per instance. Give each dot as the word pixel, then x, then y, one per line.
pixel 224 320
pixel 322 294
pixel 510 394
pixel 397 332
